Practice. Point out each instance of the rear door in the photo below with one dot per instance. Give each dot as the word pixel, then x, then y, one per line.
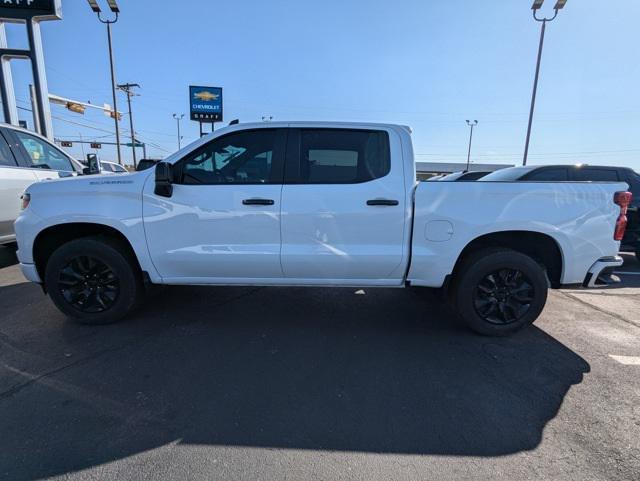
pixel 343 207
pixel 13 181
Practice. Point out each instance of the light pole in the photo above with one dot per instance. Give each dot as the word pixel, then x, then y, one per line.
pixel 114 8
pixel 126 88
pixel 537 4
pixel 178 119
pixel 472 125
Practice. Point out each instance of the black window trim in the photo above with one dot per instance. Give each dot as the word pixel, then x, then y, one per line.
pixel 3 138
pixel 277 159
pixel 292 170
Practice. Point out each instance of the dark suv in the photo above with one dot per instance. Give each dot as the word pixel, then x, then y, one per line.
pixel 594 173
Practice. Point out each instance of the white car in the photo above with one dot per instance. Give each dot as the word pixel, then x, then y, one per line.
pixel 109 168
pixel 316 204
pixel 25 158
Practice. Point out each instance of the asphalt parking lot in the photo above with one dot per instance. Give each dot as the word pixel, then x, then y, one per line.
pixel 292 383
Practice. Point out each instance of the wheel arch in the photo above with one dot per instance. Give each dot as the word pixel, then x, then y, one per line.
pixel 541 247
pixel 51 238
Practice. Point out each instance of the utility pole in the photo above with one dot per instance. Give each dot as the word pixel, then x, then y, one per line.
pixel 178 119
pixel 114 8
pixel 126 88
pixel 472 125
pixel 537 4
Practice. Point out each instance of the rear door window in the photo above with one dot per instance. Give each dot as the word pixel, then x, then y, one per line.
pixel 340 156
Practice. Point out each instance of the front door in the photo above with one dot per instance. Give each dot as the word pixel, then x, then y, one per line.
pixel 222 222
pixel 344 209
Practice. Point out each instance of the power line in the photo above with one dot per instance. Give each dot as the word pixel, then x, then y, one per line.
pixel 152 144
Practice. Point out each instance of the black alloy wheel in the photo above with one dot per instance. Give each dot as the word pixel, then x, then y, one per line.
pixel 503 296
pixel 94 280
pixel 497 291
pixel 88 284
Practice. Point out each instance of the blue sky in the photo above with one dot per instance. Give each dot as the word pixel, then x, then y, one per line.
pixel 427 64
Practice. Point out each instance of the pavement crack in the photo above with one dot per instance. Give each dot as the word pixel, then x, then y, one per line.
pixel 35 378
pixel 32 379
pixel 603 311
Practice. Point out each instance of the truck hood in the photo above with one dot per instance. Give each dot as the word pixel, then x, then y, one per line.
pixel 89 196
pixel 88 183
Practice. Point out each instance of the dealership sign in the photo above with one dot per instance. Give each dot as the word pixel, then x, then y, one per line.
pixel 26 9
pixel 205 103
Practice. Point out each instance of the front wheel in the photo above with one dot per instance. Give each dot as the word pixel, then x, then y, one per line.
pixel 93 280
pixel 499 291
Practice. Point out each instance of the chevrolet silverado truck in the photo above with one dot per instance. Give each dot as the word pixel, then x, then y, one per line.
pixel 316 204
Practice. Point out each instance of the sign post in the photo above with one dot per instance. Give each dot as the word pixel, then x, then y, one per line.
pixel 31 13
pixel 205 105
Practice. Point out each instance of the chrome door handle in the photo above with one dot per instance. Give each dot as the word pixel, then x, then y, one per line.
pixel 382 202
pixel 257 202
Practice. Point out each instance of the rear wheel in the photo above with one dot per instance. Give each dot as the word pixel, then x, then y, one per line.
pixel 93 280
pixel 499 291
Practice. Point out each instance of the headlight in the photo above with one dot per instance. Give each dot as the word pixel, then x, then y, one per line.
pixel 26 199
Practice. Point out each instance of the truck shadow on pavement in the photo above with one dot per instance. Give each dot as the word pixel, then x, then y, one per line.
pixel 318 369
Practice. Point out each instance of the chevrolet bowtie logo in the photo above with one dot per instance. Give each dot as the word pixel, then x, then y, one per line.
pixel 206 96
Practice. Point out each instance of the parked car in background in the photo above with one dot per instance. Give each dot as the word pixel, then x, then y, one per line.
pixel 464 176
pixel 434 178
pixel 316 204
pixel 587 173
pixel 111 168
pixel 25 158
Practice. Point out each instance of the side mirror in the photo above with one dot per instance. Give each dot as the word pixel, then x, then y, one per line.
pixel 164 179
pixel 94 166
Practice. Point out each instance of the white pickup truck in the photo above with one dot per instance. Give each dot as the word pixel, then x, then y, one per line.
pixel 315 204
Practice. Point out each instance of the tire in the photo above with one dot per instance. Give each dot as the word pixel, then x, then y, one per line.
pixel 499 291
pixel 93 280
